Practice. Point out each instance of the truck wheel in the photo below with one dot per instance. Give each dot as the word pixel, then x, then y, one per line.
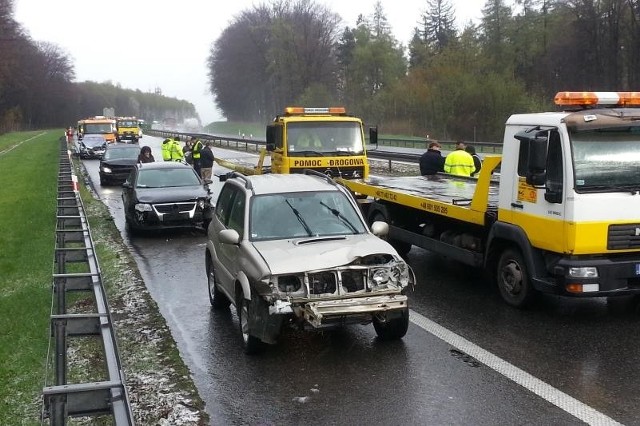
pixel 513 280
pixel 250 344
pixel 401 247
pixel 394 328
pixel 216 298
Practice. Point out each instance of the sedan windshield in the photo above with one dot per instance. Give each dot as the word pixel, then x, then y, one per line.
pixel 122 153
pixel 294 215
pixel 165 178
pixel 607 160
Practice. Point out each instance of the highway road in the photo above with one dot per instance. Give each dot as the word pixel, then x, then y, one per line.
pixel 467 359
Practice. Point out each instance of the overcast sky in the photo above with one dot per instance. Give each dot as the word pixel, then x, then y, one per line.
pixel 143 44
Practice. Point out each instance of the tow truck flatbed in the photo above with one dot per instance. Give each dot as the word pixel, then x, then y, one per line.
pixel 466 199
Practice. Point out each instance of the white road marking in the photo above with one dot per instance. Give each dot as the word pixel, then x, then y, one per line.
pixel 556 397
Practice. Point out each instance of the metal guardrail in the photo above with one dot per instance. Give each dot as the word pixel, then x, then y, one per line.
pixel 76 269
pixel 388 154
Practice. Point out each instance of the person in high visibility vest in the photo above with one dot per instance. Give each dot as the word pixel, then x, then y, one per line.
pixel 459 162
pixel 176 150
pixel 196 148
pixel 166 149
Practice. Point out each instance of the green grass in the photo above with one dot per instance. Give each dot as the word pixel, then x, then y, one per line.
pixel 237 129
pixel 28 173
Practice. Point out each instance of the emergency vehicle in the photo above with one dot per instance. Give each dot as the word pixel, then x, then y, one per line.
pixel 557 212
pixel 98 125
pixel 128 129
pixel 327 140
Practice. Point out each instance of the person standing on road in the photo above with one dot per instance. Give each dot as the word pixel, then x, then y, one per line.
pixel 188 154
pixel 206 161
pixel 432 161
pixel 459 162
pixel 196 149
pixel 166 149
pixel 176 150
pixel 145 155
pixel 477 161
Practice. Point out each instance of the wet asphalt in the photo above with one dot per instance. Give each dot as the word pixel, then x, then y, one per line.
pixel 578 359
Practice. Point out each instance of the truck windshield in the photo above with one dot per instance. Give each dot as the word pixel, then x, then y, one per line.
pixel 324 138
pixel 607 160
pixel 97 128
pixel 299 215
pixel 127 124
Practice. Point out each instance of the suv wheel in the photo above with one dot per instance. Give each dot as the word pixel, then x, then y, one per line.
pixel 250 344
pixel 394 328
pixel 216 298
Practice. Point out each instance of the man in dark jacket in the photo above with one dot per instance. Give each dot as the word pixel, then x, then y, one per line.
pixel 206 161
pixel 432 161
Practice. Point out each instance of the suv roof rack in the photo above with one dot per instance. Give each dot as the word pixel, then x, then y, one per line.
pixel 316 173
pixel 247 182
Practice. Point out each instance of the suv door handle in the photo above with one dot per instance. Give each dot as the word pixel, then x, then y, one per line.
pixel 517 206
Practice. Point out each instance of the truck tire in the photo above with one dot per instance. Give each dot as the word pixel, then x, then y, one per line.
pixel 250 344
pixel 217 299
pixel 512 279
pixel 401 247
pixel 394 328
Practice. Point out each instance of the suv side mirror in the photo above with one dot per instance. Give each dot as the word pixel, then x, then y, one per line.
pixel 229 236
pixel 380 229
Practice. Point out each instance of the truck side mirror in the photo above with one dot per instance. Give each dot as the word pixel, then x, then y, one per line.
pixel 373 136
pixel 536 170
pixel 271 138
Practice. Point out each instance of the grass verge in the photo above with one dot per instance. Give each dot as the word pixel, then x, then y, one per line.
pixel 160 387
pixel 28 172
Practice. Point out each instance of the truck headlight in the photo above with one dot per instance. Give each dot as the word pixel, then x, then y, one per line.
pixel 141 207
pixel 584 272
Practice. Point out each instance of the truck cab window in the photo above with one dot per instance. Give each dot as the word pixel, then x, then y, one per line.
pixel 555 177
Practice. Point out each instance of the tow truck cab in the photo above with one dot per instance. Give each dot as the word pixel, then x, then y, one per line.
pixel 323 139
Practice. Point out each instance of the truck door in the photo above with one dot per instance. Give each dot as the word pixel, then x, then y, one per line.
pixel 538 199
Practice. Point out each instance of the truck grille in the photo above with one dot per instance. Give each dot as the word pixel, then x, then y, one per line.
pixel 327 282
pixel 622 237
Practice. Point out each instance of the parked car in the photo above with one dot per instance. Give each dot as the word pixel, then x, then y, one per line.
pixel 117 162
pixel 165 195
pixel 91 146
pixel 294 249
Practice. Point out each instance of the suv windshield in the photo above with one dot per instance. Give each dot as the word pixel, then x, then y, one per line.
pixel 330 138
pixel 607 160
pixel 294 215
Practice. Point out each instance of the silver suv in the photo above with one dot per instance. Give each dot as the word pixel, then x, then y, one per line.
pixel 294 249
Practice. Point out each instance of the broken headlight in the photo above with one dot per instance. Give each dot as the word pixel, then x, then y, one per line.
pixel 397 275
pixel 289 283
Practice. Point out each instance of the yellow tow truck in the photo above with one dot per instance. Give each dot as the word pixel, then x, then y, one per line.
pixel 327 140
pixel 128 129
pixel 557 212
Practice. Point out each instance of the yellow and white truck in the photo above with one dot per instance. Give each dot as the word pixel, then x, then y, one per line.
pixel 557 212
pixel 327 140
pixel 128 129
pixel 98 125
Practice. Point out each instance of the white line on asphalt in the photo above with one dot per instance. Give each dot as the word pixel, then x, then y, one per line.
pixel 556 397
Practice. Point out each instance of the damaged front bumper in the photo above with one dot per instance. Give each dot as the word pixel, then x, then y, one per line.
pixel 322 312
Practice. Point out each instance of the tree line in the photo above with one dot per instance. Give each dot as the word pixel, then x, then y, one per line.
pixel 447 83
pixel 37 88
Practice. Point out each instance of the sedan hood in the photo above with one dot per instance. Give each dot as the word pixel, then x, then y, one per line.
pixel 308 254
pixel 170 194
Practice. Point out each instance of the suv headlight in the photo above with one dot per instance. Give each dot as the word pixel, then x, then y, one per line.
pixel 141 207
pixel 398 275
pixel 201 204
pixel 106 169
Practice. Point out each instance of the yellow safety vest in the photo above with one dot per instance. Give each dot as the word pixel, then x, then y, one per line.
pixel 460 163
pixel 166 149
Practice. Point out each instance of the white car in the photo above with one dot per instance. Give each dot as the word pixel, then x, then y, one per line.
pixel 294 249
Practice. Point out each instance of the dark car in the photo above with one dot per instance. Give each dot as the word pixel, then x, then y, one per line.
pixel 165 195
pixel 91 146
pixel 117 162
